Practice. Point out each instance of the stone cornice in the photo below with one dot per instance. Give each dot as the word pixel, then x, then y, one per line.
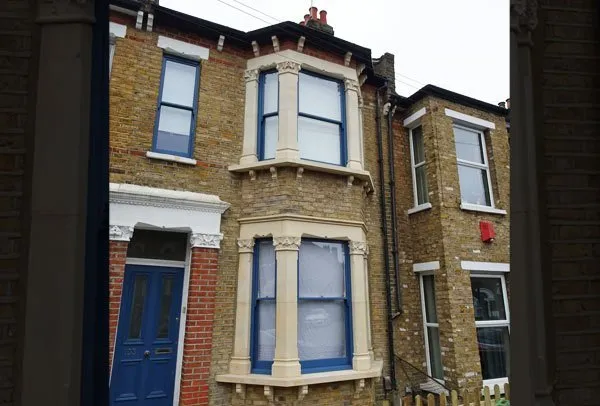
pixel 180 200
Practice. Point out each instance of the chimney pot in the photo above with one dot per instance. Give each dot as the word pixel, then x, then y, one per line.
pixel 302 22
pixel 323 16
pixel 502 104
pixel 306 17
pixel 313 13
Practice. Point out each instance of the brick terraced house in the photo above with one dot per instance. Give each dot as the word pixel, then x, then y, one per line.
pixel 286 229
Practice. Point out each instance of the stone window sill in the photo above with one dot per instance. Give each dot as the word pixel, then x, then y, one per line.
pixel 273 164
pixel 170 158
pixel 305 379
pixel 421 207
pixel 482 209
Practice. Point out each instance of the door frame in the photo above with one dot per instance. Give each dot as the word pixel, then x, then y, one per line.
pixel 186 266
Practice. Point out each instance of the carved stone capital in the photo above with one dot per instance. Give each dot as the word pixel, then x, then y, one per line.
pixel 288 67
pixel 352 85
pixel 523 14
pixel 120 233
pixel 251 75
pixel 202 240
pixel 286 243
pixel 359 248
pixel 246 246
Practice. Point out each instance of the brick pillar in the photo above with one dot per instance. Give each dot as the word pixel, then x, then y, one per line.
pixel 116 272
pixel 198 327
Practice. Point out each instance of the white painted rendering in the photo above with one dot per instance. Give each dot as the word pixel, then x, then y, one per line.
pixel 119 30
pixel 426 266
pixel 171 158
pixel 415 119
pixel 181 48
pixel 470 120
pixel 485 266
pixel 144 207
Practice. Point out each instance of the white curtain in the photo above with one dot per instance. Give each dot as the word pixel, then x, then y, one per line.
pixel 265 309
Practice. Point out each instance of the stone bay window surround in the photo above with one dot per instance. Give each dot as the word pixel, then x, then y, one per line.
pixel 278 257
pixel 293 100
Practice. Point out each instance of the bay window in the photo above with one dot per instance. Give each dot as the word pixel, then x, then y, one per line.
pixel 321 119
pixel 324 307
pixel 473 170
pixel 492 322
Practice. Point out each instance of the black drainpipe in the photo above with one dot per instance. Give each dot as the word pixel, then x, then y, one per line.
pixel 386 260
pixel 391 161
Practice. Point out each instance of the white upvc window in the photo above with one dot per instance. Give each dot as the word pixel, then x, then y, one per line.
pixel 492 322
pixel 433 352
pixel 473 167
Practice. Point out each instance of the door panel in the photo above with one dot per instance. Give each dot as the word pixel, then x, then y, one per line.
pixel 146 347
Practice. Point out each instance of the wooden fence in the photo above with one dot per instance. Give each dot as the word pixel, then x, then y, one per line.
pixel 466 398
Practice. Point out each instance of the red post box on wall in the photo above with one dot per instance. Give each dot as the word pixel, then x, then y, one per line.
pixel 487 231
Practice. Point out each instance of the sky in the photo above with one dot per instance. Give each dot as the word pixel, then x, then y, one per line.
pixel 459 45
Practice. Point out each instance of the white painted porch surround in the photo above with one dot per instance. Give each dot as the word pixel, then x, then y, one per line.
pixel 134 206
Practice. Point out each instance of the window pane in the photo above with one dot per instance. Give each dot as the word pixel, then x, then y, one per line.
pixel 429 294
pixel 155 244
pixel 271 135
pixel 421 181
pixel 488 299
pixel 319 141
pixel 166 298
pixel 266 269
pixel 494 352
pixel 270 95
pixel 321 329
pixel 468 145
pixel 319 97
pixel 418 148
pixel 138 302
pixel 435 352
pixel 179 84
pixel 321 269
pixel 473 185
pixel 173 129
pixel 265 322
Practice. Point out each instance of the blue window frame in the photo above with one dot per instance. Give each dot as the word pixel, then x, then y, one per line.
pixel 264 291
pixel 268 114
pixel 324 306
pixel 177 109
pixel 321 119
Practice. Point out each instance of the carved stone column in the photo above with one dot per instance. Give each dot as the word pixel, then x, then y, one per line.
pixel 51 369
pixel 240 360
pixel 529 376
pixel 353 124
pixel 361 359
pixel 251 117
pixel 287 144
pixel 286 363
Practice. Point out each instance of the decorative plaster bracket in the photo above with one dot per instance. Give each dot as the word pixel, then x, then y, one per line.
pixel 120 233
pixel 302 391
pixel 347 58
pixel 268 391
pixel 301 43
pixel 275 43
pixel 273 171
pixel 220 43
pixel 255 48
pixel 201 240
pixel 359 386
pixel 252 174
pixel 350 180
pixel 240 390
pixel 299 172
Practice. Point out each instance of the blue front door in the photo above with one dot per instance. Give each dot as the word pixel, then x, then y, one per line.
pixel 146 345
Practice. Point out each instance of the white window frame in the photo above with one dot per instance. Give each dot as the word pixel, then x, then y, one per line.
pixel 112 41
pixel 115 30
pixel 485 166
pixel 426 205
pixel 495 323
pixel 427 324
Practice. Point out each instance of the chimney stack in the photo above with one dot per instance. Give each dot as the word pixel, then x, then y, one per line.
pixel 318 23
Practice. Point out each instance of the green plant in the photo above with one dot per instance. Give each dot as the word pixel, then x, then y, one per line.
pixel 503 402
